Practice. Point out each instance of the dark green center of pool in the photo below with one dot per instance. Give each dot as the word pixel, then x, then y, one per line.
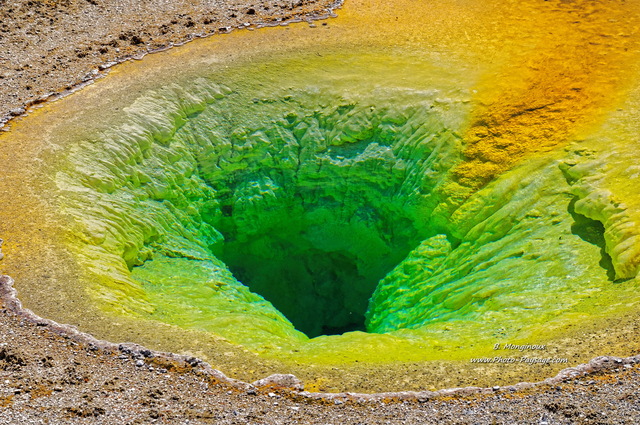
pixel 318 217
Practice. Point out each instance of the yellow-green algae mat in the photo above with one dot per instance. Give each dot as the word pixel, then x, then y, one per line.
pixel 371 203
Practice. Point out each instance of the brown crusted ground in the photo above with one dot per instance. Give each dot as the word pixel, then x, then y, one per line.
pixel 48 46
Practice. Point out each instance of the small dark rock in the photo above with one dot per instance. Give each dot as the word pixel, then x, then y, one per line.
pixel 11 360
pixel 86 411
pixel 193 362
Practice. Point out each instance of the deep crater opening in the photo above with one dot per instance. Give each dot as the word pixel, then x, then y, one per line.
pixel 319 254
pixel 314 226
pixel 317 205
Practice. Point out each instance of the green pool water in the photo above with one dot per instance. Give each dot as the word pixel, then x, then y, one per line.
pixel 281 202
pixel 369 204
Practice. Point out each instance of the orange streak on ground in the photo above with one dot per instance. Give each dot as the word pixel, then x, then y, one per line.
pixel 579 64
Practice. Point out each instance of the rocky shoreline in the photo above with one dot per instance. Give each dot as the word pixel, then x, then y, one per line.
pixel 52 373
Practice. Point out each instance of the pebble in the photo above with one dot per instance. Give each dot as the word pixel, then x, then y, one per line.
pixel 280 381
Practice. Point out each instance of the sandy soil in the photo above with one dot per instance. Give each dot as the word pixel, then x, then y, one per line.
pixel 49 376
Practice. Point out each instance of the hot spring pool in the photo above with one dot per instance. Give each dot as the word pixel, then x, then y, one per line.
pixel 371 204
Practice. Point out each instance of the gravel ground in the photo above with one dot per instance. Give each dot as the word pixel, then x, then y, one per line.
pixel 49 376
pixel 49 46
